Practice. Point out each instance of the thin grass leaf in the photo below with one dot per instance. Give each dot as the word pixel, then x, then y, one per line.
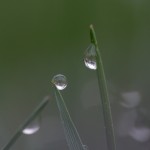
pixel 72 136
pixel 18 133
pixel 104 94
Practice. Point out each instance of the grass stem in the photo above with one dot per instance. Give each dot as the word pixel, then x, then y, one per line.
pixel 72 136
pixel 108 122
pixel 18 133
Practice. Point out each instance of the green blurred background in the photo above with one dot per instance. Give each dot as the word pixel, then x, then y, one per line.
pixel 39 39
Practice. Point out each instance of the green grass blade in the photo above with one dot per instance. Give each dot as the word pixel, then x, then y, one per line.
pixel 18 133
pixel 104 94
pixel 72 136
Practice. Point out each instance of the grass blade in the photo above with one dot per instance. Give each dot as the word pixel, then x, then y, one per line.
pixel 104 94
pixel 18 133
pixel 72 136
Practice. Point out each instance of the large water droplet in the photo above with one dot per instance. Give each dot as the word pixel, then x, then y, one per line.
pixel 32 128
pixel 60 81
pixel 90 57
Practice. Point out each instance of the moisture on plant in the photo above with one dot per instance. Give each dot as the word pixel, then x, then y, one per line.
pixel 90 57
pixel 32 127
pixel 60 81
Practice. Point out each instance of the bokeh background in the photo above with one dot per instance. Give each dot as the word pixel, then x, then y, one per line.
pixel 39 39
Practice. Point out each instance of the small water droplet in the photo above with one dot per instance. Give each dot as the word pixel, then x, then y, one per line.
pixel 32 128
pixel 90 57
pixel 60 81
pixel 85 147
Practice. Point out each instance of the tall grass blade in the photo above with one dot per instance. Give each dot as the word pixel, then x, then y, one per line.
pixel 18 133
pixel 104 94
pixel 72 136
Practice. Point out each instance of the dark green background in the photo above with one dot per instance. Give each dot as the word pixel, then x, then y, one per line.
pixel 39 39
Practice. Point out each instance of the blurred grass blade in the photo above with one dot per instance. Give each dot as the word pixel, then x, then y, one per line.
pixel 72 136
pixel 104 94
pixel 18 133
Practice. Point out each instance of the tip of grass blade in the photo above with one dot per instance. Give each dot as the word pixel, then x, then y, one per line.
pixel 92 35
pixel 91 26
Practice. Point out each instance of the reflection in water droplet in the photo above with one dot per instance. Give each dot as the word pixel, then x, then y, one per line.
pixel 60 81
pixel 32 128
pixel 90 57
pixel 85 147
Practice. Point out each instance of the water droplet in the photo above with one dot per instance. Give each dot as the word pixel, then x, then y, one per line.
pixel 32 128
pixel 85 147
pixel 90 57
pixel 60 81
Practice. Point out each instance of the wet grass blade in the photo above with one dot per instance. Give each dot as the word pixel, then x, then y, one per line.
pixel 34 114
pixel 72 136
pixel 104 94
